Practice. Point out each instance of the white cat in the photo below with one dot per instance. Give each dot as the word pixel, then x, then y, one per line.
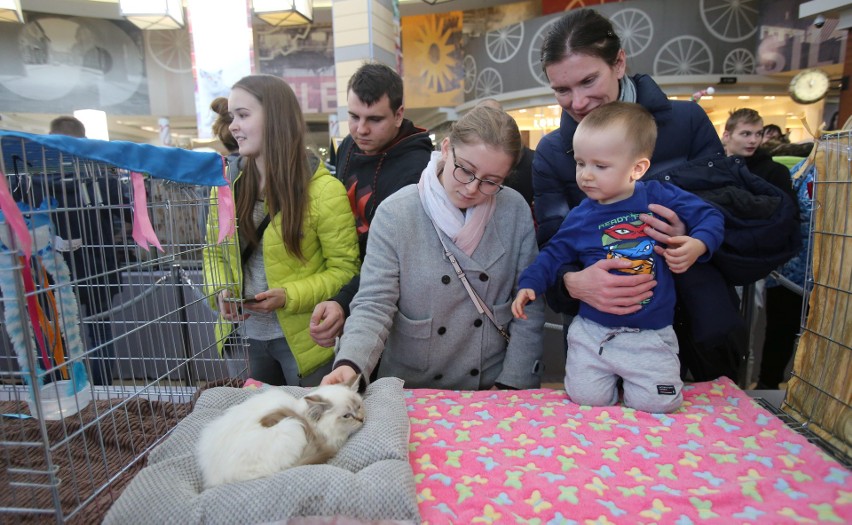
pixel 273 431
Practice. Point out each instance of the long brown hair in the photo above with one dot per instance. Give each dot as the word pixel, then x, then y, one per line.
pixel 287 170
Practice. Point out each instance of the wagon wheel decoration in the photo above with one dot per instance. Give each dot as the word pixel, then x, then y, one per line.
pixel 170 49
pixel 684 55
pixel 534 57
pixel 503 44
pixel 488 83
pixel 635 30
pixel 740 61
pixel 730 20
pixel 469 65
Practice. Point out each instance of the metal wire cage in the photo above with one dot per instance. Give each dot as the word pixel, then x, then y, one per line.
pixel 103 343
pixel 819 394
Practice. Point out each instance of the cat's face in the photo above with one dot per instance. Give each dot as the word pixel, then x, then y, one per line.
pixel 338 410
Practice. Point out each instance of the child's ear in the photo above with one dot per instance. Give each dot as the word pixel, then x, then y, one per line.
pixel 640 168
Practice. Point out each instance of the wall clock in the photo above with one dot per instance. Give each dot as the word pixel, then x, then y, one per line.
pixel 809 86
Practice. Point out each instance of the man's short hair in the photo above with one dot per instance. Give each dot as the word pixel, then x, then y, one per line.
pixel 374 80
pixel 67 126
pixel 742 116
pixel 640 129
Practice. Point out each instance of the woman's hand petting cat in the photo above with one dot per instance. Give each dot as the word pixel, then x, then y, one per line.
pixel 268 301
pixel 341 374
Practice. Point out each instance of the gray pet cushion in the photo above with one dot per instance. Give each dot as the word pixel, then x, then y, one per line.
pixel 369 478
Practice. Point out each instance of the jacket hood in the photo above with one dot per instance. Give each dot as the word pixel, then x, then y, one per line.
pixel 409 137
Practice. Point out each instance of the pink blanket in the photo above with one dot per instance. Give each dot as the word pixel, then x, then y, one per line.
pixel 534 457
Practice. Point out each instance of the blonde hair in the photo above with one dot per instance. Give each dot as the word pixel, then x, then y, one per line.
pixel 744 116
pixel 640 129
pixel 489 126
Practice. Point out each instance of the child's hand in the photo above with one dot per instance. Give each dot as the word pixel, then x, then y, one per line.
pixel 682 252
pixel 525 295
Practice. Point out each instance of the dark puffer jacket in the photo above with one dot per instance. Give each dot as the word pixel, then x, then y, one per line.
pixel 761 220
pixel 775 173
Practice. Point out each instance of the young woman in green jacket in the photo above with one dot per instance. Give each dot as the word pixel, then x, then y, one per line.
pixel 305 253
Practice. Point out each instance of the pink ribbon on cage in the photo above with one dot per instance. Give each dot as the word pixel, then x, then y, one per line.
pixel 23 243
pixel 143 232
pixel 15 219
pixel 227 209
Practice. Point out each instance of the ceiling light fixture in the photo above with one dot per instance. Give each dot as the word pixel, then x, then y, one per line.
pixel 153 14
pixel 95 122
pixel 10 11
pixel 433 2
pixel 284 12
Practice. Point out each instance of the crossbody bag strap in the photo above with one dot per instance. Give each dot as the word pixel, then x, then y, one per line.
pixel 481 307
pixel 234 165
pixel 249 249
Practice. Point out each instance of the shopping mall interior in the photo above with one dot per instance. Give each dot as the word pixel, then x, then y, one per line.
pixel 71 55
pixel 154 333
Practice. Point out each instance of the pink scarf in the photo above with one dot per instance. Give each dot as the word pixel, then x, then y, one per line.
pixel 465 229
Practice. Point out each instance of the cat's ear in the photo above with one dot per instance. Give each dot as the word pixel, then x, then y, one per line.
pixel 316 407
pixel 353 383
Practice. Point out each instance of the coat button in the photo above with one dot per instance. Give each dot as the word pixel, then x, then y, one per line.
pixel 445 279
pixel 477 323
pixel 483 277
pixel 442 330
pixel 438 377
pixel 474 372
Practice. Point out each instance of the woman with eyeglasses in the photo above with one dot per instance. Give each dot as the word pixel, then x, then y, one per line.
pixel 429 326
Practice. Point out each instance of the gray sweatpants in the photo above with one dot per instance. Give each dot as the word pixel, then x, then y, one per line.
pixel 645 359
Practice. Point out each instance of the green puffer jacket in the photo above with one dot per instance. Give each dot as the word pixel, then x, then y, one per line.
pixel 330 248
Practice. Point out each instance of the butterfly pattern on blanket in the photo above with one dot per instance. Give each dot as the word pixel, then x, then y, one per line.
pixel 534 457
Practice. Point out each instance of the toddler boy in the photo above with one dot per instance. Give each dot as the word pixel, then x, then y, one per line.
pixel 612 147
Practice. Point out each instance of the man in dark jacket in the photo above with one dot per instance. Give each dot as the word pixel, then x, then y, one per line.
pixel 383 153
pixel 743 136
pixel 91 204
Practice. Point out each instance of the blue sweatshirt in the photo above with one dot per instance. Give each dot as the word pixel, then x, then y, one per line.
pixel 594 231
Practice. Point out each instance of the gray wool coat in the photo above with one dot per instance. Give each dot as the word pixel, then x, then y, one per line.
pixel 413 312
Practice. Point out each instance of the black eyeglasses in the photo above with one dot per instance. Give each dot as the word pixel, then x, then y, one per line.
pixel 486 187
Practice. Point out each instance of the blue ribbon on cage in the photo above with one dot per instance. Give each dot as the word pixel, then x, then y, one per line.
pixel 40 152
pixel 67 311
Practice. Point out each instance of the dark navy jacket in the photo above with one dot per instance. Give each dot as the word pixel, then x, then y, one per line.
pixel 683 133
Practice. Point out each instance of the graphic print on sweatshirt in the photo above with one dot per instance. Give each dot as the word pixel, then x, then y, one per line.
pixel 624 238
pixel 359 198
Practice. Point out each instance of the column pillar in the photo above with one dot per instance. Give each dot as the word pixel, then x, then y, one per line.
pixel 364 30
